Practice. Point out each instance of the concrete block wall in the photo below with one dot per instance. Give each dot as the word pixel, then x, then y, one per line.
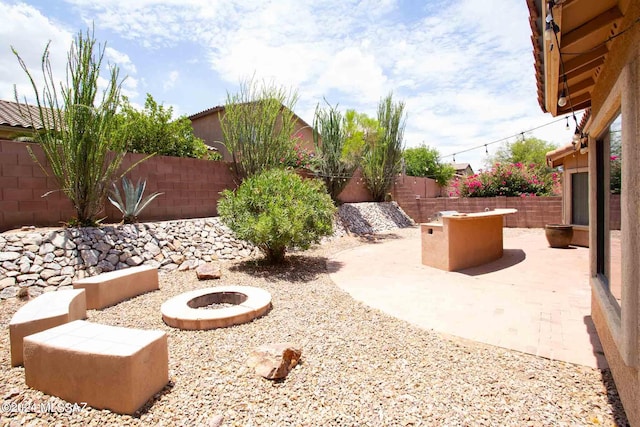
pixel 191 188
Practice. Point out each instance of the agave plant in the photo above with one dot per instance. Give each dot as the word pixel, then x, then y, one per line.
pixel 133 202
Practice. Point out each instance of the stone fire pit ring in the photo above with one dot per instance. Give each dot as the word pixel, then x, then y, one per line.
pixel 241 304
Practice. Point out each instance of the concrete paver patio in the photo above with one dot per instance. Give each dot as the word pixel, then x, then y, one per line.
pixel 534 299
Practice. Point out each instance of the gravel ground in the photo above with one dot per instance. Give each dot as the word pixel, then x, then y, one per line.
pixel 359 366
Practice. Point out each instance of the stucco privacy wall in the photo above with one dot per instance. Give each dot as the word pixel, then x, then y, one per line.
pixel 191 188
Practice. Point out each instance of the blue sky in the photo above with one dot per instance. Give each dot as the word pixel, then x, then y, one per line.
pixel 464 68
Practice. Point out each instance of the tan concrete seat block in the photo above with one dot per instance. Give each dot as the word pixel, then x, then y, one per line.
pixel 106 289
pixel 108 367
pixel 46 311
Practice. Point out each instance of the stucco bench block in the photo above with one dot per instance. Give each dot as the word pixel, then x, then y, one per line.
pixel 106 289
pixel 107 367
pixel 46 311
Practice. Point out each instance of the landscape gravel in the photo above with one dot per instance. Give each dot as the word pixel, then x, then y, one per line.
pixel 359 367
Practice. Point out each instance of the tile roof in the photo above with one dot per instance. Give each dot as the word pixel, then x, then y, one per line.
pixel 218 108
pixel 14 115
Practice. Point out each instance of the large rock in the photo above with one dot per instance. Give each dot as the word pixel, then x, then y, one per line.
pixel 7 282
pixel 274 361
pixel 208 271
pixel 9 256
pixel 61 240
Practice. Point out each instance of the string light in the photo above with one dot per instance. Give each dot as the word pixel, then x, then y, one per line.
pixel 505 138
pixel 567 127
pixel 565 95
pixel 486 150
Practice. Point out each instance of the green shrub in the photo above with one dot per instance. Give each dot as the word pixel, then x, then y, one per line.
pixel 276 210
pixel 425 161
pixel 153 131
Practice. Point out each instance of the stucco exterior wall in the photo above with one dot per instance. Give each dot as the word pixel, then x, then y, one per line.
pixel 208 128
pixel 618 326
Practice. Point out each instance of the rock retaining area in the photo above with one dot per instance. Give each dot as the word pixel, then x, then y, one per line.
pixel 46 261
pixel 43 261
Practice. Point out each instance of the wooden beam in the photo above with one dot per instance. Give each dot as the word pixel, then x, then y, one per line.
pixel 585 58
pixel 551 50
pixel 577 103
pixel 581 86
pixel 586 68
pixel 583 31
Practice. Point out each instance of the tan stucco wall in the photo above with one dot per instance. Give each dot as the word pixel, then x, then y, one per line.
pixel 208 129
pixel 618 90
pixel 627 378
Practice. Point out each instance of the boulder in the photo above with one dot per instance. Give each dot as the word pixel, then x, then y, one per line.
pixel 274 361
pixel 208 271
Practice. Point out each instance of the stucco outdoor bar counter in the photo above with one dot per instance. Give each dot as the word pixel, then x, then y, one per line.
pixel 460 241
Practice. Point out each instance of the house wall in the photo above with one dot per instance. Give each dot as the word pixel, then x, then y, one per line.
pixel 191 188
pixel 618 326
pixel 209 129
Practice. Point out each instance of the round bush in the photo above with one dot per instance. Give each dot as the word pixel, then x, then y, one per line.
pixel 276 210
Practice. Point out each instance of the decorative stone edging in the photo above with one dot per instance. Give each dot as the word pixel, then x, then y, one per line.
pixel 46 261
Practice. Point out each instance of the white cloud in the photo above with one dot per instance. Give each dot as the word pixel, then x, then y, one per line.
pixel 171 80
pixel 464 68
pixel 120 59
pixel 25 29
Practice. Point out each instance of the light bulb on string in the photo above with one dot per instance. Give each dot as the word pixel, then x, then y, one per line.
pixel 486 150
pixel 562 101
pixel 576 138
pixel 567 127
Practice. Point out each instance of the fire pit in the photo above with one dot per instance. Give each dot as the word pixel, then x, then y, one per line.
pixel 217 307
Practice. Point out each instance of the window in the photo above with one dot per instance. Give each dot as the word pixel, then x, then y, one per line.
pixel 580 198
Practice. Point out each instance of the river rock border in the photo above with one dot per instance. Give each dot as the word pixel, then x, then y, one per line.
pixel 51 260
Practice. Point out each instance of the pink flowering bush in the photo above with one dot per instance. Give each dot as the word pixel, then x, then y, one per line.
pixel 511 180
pixel 299 157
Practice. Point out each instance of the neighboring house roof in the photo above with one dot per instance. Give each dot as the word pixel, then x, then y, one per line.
pixel 18 116
pixel 462 168
pixel 207 112
pixel 573 56
pixel 219 108
pixel 555 157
